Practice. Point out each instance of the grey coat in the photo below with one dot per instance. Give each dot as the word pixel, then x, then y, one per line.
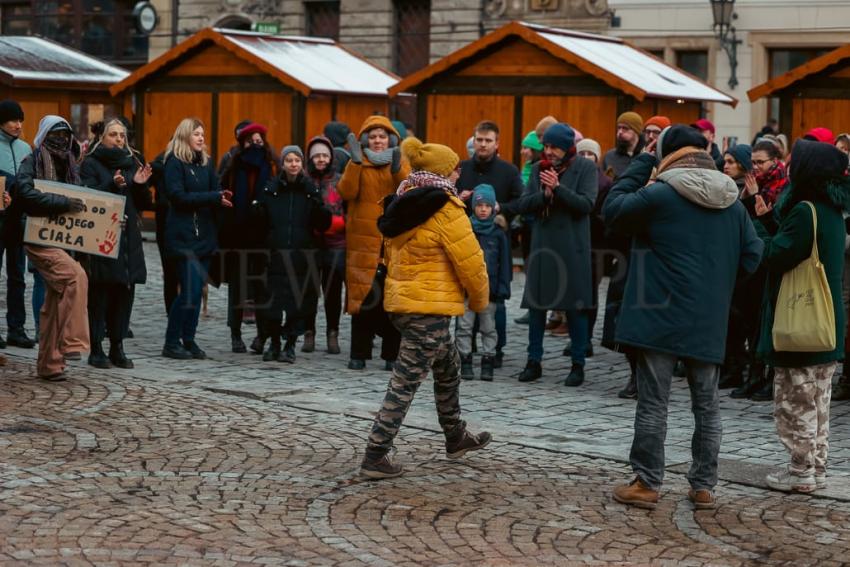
pixel 558 272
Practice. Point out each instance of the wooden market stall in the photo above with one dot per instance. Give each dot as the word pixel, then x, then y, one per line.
pixel 522 72
pixel 811 95
pixel 292 85
pixel 49 78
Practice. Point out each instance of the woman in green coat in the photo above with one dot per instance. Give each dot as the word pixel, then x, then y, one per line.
pixel 803 381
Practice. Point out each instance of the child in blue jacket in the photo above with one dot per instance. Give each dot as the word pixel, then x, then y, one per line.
pixel 497 255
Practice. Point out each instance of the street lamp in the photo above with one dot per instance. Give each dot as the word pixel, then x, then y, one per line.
pixel 724 12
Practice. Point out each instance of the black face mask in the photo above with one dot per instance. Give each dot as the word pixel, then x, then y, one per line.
pixel 58 141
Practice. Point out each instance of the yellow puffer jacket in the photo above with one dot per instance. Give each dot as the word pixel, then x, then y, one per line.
pixel 363 187
pixel 430 266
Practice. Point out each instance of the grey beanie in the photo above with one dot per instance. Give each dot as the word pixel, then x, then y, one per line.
pixel 293 149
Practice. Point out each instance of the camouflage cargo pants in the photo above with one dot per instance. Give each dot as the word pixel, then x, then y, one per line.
pixel 801 398
pixel 426 344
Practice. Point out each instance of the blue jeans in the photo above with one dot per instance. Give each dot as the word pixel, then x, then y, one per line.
pixel 186 308
pixel 577 324
pixel 654 375
pixel 16 312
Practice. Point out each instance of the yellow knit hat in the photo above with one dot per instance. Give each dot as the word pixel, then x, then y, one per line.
pixel 631 119
pixel 434 158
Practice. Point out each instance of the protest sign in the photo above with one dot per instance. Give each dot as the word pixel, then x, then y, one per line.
pixel 96 230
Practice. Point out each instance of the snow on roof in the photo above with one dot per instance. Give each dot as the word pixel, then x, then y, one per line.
pixel 632 65
pixel 322 65
pixel 27 58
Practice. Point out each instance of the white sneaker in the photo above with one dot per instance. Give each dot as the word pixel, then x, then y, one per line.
pixel 820 480
pixel 786 481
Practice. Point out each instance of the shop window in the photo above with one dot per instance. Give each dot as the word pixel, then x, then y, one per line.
pixel 693 62
pixel 322 19
pixel 412 36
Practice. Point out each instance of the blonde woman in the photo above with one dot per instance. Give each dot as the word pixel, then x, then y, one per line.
pixel 111 166
pixel 193 193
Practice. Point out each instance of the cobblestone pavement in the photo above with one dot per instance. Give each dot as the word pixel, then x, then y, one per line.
pixel 233 460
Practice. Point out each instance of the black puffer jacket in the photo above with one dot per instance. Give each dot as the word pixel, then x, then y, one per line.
pixel 27 200
pixel 129 267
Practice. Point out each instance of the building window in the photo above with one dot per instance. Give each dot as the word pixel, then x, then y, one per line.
pixel 15 18
pixel 103 28
pixel 412 35
pixel 693 62
pixel 322 19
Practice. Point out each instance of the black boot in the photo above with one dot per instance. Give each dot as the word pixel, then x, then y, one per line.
pixel 629 392
pixel 273 352
pixel 288 352
pixel 533 370
pixel 765 393
pixel 498 359
pixel 117 356
pixel 257 345
pixel 732 378
pixel 237 345
pixel 194 350
pixel 466 370
pixel 19 338
pixel 487 368
pixel 576 377
pixel 754 382
pixel 97 357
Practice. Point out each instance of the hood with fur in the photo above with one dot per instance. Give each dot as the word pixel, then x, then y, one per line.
pixel 411 209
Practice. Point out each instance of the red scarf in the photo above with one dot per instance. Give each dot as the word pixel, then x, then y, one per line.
pixel 772 183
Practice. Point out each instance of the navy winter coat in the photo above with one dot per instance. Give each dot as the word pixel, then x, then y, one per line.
pixel 194 197
pixel 497 256
pixel 686 254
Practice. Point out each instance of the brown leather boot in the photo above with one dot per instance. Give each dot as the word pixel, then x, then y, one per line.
pixel 309 342
pixel 636 494
pixel 702 499
pixel 333 342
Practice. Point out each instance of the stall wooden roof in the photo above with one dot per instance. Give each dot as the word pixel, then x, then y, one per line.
pixel 613 60
pixel 813 67
pixel 28 61
pixel 305 64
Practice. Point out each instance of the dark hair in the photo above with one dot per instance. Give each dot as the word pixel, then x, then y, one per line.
pixel 487 126
pixel 769 148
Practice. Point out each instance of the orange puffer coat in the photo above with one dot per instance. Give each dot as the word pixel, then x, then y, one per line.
pixel 436 261
pixel 363 187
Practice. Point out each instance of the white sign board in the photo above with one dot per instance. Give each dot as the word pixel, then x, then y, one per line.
pixel 96 230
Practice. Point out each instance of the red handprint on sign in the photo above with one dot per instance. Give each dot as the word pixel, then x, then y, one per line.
pixel 108 244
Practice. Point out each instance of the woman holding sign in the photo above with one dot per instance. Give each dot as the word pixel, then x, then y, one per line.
pixel 111 166
pixel 192 189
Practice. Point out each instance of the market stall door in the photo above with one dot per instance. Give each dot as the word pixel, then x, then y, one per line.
pixel 452 119
pixel 164 111
pixel 272 110
pixel 594 116
pixel 829 113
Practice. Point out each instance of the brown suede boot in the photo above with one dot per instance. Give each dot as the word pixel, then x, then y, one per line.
pixel 333 342
pixel 636 494
pixel 702 499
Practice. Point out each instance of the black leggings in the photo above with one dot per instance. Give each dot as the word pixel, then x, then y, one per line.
pixel 333 276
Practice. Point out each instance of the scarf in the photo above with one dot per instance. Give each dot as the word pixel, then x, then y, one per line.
pixel 426 179
pixel 484 227
pixel 772 183
pixel 379 158
pixel 687 157
pixel 53 163
pixel 113 158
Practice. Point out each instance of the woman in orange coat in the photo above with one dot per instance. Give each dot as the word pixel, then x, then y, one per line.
pixel 375 171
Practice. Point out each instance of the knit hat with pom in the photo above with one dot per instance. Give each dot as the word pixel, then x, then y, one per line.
pixel 434 158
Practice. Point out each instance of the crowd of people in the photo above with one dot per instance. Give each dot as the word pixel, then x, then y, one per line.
pixel 694 240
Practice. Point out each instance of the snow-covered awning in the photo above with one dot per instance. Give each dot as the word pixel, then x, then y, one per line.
pixel 612 60
pixel 307 64
pixel 33 61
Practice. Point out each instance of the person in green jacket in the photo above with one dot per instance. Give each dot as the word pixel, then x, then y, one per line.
pixel 803 381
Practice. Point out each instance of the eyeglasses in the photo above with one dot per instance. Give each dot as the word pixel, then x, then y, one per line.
pixel 761 161
pixel 651 131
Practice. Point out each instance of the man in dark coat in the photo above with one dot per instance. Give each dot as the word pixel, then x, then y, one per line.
pixel 691 237
pixel 630 143
pixel 486 167
pixel 561 192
